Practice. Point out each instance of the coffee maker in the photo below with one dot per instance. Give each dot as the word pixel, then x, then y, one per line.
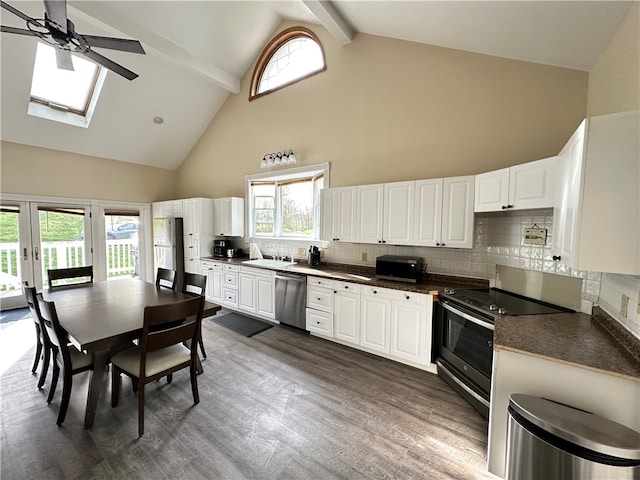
pixel 220 248
pixel 314 257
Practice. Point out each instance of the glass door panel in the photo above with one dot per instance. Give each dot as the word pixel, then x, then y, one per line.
pixel 15 254
pixel 123 245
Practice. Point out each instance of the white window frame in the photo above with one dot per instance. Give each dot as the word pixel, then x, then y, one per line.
pixel 286 174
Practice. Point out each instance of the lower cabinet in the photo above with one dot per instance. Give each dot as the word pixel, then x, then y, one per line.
pixel 230 285
pixel 392 323
pixel 257 292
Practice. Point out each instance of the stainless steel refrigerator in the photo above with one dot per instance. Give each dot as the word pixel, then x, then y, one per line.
pixel 168 246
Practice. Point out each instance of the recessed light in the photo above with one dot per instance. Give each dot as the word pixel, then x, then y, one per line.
pixel 158 120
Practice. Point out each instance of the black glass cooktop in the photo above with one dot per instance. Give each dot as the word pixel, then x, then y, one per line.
pixel 496 301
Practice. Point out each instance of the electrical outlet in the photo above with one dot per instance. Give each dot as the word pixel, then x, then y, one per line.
pixel 301 252
pixel 624 304
pixel 364 256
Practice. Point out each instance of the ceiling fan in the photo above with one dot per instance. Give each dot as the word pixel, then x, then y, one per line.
pixel 57 30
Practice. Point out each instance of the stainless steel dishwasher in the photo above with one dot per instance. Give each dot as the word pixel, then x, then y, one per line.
pixel 291 299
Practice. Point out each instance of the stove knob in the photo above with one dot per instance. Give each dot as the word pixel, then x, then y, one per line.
pixel 493 307
pixel 502 311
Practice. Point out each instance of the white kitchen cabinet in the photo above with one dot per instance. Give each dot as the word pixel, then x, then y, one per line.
pixel 206 269
pixel 398 213
pixel 256 292
pixel 228 217
pixel 411 315
pixel 217 295
pixel 338 207
pixel 376 319
pixel 230 285
pixel 320 302
pixel 595 221
pixel 444 212
pixel 346 312
pixel 369 214
pixel 525 186
pixel 192 253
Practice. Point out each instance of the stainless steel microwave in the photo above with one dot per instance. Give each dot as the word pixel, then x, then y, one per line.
pixel 399 268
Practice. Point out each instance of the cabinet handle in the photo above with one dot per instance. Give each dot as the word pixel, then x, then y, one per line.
pixel 318 298
pixel 407 297
pixel 509 206
pixel 504 207
pixel 375 291
pixel 557 257
pixel 437 244
pixel 346 286
pixel 335 291
pixel 317 322
pixel 442 244
pixel 24 254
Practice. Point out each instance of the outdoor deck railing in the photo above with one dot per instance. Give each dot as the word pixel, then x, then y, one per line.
pixel 121 260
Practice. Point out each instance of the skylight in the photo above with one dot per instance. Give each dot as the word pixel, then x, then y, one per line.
pixel 64 95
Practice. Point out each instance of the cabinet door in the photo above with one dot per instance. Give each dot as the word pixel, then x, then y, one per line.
pixel 409 331
pixel 531 185
pixel 327 196
pixel 216 284
pixel 206 269
pixel 345 215
pixel 398 213
pixel 427 224
pixel 177 208
pixel 492 191
pixel 192 253
pixel 457 212
pixel 221 219
pixel 369 213
pixel 347 316
pixel 566 216
pixel 320 322
pixel 265 297
pixel 374 328
pixel 247 292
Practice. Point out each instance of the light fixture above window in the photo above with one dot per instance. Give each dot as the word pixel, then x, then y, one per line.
pixel 278 159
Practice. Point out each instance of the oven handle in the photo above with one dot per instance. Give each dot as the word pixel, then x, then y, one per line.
pixel 466 316
pixel 462 385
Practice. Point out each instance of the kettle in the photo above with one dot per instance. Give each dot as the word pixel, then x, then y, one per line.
pixel 314 257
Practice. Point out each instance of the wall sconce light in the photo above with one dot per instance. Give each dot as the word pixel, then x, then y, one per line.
pixel 278 159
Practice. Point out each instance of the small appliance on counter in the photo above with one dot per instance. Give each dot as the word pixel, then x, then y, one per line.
pixel 399 268
pixel 220 248
pixel 234 252
pixel 314 257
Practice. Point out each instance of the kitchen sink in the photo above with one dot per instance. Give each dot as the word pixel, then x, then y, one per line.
pixel 269 263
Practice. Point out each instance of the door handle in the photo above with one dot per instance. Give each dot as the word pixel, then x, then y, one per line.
pixel 36 253
pixel 25 255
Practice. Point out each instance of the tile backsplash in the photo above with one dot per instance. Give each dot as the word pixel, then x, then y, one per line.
pixel 498 240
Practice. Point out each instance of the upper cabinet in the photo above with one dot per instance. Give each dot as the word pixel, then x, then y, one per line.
pixel 444 212
pixel 398 212
pixel 530 185
pixel 597 202
pixel 228 217
pixel 338 207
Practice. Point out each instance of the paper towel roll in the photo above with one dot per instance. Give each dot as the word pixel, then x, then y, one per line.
pixel 254 251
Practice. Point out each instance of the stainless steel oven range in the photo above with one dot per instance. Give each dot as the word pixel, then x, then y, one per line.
pixel 464 337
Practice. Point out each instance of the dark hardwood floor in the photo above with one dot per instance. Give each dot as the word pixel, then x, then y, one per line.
pixel 279 405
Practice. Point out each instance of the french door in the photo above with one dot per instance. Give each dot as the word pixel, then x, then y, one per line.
pixel 37 235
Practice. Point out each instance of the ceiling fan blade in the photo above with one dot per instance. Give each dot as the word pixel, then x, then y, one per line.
pixel 57 12
pixel 63 59
pixel 20 31
pixel 111 65
pixel 123 44
pixel 15 11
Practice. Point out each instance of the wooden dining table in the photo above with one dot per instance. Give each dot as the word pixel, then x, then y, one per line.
pixel 105 315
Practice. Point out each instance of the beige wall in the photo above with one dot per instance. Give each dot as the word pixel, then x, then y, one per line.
pixel 614 81
pixel 40 171
pixel 390 110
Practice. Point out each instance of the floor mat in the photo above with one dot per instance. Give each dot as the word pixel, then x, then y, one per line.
pixel 7 316
pixel 240 324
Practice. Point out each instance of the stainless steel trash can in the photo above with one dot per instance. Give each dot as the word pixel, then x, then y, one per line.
pixel 548 440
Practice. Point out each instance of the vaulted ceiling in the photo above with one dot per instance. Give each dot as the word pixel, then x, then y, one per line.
pixel 197 52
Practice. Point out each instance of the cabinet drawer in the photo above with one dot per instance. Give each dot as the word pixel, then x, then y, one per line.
pixel 320 282
pixel 320 322
pixel 231 268
pixel 347 287
pixel 387 293
pixel 412 298
pixel 217 266
pixel 231 280
pixel 320 298
pixel 230 298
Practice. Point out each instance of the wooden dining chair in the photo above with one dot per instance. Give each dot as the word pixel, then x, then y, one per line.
pixel 66 356
pixel 166 278
pixel 195 284
pixel 161 351
pixel 43 344
pixel 70 277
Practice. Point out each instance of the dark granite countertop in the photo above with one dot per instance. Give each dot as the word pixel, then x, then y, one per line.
pixel 431 283
pixel 587 341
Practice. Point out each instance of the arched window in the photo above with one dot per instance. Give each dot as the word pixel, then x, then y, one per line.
pixel 294 54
